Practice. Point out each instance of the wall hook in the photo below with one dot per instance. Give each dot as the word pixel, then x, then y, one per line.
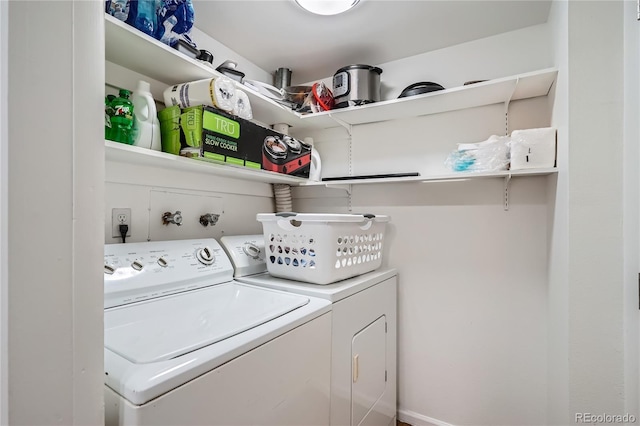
pixel 175 218
pixel 209 219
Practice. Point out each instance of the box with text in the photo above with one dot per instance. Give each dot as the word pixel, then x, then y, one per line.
pixel 234 140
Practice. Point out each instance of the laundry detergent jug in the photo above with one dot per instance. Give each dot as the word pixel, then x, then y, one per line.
pixel 146 118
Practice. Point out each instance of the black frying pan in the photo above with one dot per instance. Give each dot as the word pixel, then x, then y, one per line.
pixel 420 88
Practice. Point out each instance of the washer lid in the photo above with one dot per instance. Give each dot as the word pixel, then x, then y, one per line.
pixel 168 327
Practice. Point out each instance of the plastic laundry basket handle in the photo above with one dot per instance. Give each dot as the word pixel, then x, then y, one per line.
pixel 366 225
pixel 287 221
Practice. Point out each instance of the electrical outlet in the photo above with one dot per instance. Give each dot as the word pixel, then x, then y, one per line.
pixel 120 217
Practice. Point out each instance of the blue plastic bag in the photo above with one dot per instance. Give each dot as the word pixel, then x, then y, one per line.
pixel 143 14
pixel 175 20
pixel 117 8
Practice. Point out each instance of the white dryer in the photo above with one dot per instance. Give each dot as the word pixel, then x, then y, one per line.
pixel 363 355
pixel 187 345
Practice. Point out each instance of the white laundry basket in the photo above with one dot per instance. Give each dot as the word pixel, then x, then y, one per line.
pixel 322 248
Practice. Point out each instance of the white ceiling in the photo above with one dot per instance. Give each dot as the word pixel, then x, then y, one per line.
pixel 278 33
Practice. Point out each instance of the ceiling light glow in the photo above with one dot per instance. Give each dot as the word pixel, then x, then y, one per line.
pixel 327 7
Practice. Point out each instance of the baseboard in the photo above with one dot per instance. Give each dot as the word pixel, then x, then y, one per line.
pixel 416 419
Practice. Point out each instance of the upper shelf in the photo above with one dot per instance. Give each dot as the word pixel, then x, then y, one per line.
pixel 501 90
pixel 132 49
pixel 135 50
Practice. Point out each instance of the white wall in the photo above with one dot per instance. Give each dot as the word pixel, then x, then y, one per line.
pixel 593 355
pixel 472 307
pixel 222 53
pixel 4 145
pixel 558 232
pixel 501 55
pixel 596 371
pixel 631 217
pixel 149 192
pixel 55 196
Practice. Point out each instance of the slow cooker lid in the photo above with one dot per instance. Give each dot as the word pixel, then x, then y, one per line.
pixel 275 147
pixel 294 145
pixel 360 67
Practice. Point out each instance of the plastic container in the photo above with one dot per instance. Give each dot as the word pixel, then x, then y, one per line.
pixel 146 118
pixel 322 248
pixel 121 112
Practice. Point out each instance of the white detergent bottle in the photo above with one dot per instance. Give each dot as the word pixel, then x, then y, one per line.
pixel 146 118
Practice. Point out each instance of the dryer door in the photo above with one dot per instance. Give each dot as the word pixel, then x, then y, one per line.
pixel 368 369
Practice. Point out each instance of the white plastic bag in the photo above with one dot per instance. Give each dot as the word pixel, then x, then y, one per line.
pixel 488 156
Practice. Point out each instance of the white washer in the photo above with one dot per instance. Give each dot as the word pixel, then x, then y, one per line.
pixel 187 345
pixel 363 356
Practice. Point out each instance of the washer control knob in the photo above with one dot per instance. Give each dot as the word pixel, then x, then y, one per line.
pixel 108 269
pixel 163 262
pixel 205 256
pixel 137 265
pixel 251 250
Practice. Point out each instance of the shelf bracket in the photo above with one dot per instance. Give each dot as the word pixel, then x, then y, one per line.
pixel 506 107
pixel 348 127
pixel 345 187
pixel 507 180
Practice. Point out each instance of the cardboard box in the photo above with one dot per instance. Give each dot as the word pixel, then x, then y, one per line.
pixel 234 140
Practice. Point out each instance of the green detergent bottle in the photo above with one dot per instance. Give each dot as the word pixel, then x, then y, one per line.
pixel 121 129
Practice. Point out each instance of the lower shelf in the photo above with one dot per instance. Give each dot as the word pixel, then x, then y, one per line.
pixel 123 153
pixel 436 178
pixel 460 176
